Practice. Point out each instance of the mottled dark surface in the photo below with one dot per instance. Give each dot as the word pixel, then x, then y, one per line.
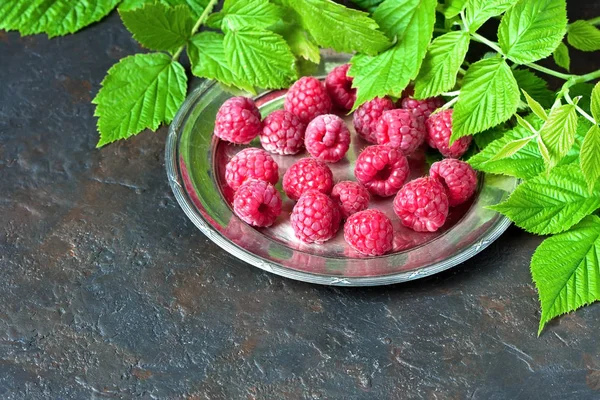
pixel 107 290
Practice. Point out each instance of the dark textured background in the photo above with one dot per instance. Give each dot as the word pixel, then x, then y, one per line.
pixel 107 290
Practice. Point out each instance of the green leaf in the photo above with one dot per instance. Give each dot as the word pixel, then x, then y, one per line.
pixel 535 106
pixel 521 121
pixel 262 57
pixel 584 36
pixel 535 86
pixel 139 92
pixel 197 6
pixel 561 56
pixel 369 5
pixel 558 133
pixel 552 203
pixel 483 139
pixel 531 30
pixel 247 13
pixel 343 29
pixel 454 7
pixel 590 153
pixel 443 59
pixel 511 148
pixel 207 55
pixel 479 11
pixel 489 96
pixel 595 103
pixel 299 41
pixel 391 71
pixel 53 17
pixel 159 27
pixel 566 271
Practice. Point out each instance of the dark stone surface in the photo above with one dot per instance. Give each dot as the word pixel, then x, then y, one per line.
pixel 107 290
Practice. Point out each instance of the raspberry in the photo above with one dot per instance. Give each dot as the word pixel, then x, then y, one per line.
pixel 305 174
pixel 458 178
pixel 339 87
pixel 422 108
pixel 422 205
pixel 366 116
pixel 351 197
pixel 238 121
pixel 282 133
pixel 307 98
pixel 257 203
pixel 400 129
pixel 439 130
pixel 327 138
pixel 381 169
pixel 315 217
pixel 250 164
pixel 370 232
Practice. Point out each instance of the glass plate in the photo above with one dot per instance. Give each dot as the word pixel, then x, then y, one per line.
pixel 195 162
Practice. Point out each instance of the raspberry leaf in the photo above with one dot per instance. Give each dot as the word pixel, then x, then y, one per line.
pixel 535 106
pixel 159 27
pixel 595 103
pixel 207 55
pixel 343 29
pixel 584 36
pixel 532 29
pixel 561 56
pixel 139 92
pixel 443 59
pixel 246 13
pixel 53 17
pixel 479 11
pixel 558 133
pixel 552 203
pixel 511 148
pixel 590 149
pixel 489 96
pixel 262 57
pixel 369 5
pixel 453 7
pixel 197 6
pixel 299 41
pixel 391 71
pixel 535 86
pixel 566 270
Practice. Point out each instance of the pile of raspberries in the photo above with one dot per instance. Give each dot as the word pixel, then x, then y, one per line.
pixel 395 129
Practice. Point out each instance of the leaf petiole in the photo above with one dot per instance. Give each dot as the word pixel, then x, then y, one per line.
pixel 493 45
pixel 550 71
pixel 209 7
pixel 579 109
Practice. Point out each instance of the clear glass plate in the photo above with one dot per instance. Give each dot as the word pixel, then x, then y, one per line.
pixel 195 162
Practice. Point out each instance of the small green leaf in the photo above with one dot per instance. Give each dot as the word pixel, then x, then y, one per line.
pixel 299 41
pixel 584 36
pixel 535 86
pixel 595 103
pixel 479 11
pixel 391 71
pixel 238 14
pixel 483 139
pixel 261 57
pixel 454 7
pixel 159 27
pixel 368 5
pixel 489 96
pixel 566 270
pixel 197 6
pixel 552 203
pixel 558 133
pixel 443 59
pixel 53 17
pixel 207 55
pixel 511 148
pixel 561 56
pixel 139 92
pixel 531 30
pixel 525 124
pixel 343 29
pixel 535 106
pixel 590 154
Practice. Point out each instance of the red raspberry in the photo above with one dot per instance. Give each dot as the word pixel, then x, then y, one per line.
pixel 238 121
pixel 315 217
pixel 366 116
pixel 381 169
pixel 250 164
pixel 439 130
pixel 307 98
pixel 339 87
pixel 458 178
pixel 422 205
pixel 400 129
pixel 327 138
pixel 305 174
pixel 370 232
pixel 282 133
pixel 422 108
pixel 257 203
pixel 351 197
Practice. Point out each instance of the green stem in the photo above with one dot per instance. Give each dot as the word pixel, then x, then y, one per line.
pixel 550 71
pixel 462 71
pixel 587 77
pixel 594 21
pixel 478 38
pixel 579 110
pixel 209 7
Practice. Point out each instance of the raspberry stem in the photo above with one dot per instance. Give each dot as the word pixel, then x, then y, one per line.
pixel 211 4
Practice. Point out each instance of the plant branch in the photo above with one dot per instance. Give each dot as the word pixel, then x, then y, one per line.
pixel 209 7
pixel 550 71
pixel 478 38
pixel 579 110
